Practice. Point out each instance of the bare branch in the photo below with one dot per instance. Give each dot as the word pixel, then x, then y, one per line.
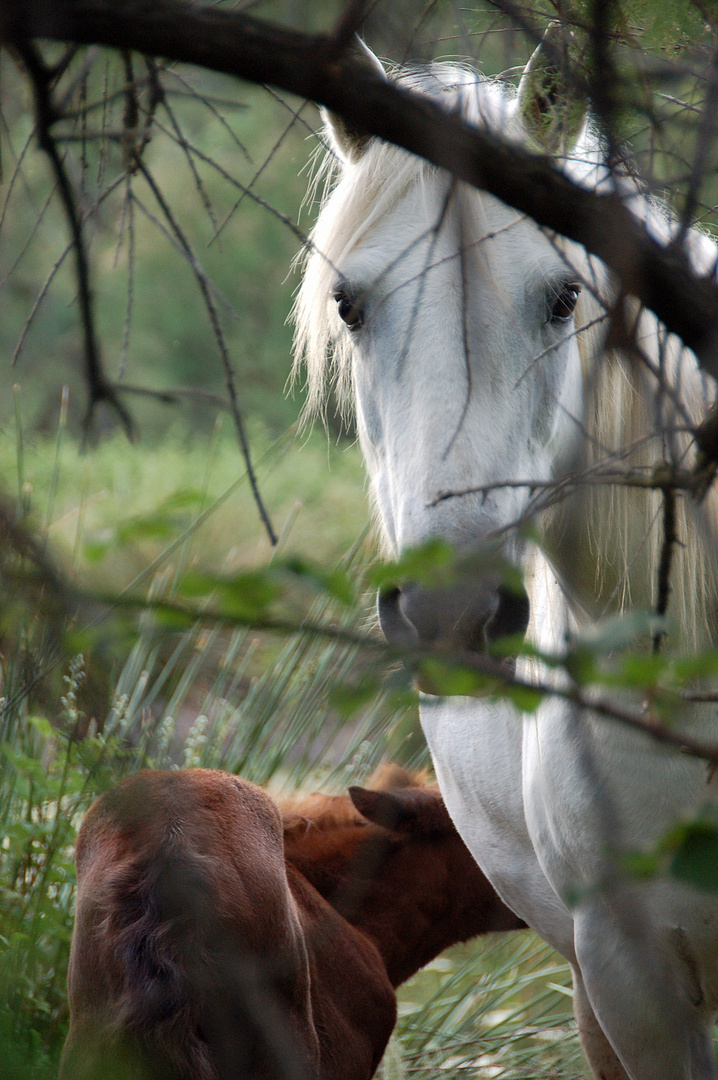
pixel 250 48
pixel 670 539
pixel 99 387
pixel 230 382
pixel 661 477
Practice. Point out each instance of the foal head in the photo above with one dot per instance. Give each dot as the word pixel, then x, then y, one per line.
pixel 389 859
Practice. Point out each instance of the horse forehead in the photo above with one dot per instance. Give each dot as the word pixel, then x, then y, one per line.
pixel 477 234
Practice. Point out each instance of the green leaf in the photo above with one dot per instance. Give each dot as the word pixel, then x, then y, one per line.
pixel 336 582
pixel 184 499
pixel 426 564
pixel 523 697
pixel 244 596
pixel 98 546
pixel 248 594
pixel 642 865
pixel 347 700
pixel 42 726
pixel 695 855
pixel 641 671
pixel 580 663
pixel 700 665
pixel 173 621
pixel 451 680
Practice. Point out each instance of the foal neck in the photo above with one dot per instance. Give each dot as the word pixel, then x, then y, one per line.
pixel 414 889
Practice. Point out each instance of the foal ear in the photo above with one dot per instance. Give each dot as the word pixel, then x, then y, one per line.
pixel 346 142
pixel 551 106
pixel 385 808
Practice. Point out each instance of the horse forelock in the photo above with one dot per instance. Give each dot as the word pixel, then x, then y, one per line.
pixel 356 197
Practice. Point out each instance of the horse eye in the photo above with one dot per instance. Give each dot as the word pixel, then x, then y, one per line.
pixel 349 310
pixel 564 302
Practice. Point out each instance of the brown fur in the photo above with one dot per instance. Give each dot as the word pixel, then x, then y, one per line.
pixel 206 948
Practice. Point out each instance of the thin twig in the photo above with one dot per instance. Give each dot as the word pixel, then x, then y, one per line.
pixel 178 394
pixel 174 242
pixel 99 388
pixel 245 189
pixel 704 142
pixel 187 151
pixel 213 104
pixel 54 269
pixel 130 281
pixel 230 383
pixel 265 163
pixel 670 538
pixel 661 477
pixel 37 222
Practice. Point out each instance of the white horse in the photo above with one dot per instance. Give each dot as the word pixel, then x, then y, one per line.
pixel 472 343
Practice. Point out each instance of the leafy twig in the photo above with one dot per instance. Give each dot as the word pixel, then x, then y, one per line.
pixel 498 675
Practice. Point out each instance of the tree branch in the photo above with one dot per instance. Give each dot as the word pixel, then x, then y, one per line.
pixel 500 676
pixel 249 48
pixel 99 387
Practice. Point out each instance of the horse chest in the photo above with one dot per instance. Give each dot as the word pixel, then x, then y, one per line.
pixel 476 749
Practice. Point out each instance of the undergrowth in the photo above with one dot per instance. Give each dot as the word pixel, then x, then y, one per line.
pixel 275 711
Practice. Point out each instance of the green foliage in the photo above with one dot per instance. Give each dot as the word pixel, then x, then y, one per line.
pixel 694 854
pixel 688 852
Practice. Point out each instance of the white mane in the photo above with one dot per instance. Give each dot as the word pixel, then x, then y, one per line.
pixel 622 529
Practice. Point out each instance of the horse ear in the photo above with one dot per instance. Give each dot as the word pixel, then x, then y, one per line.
pixel 552 109
pixel 348 143
pixel 385 808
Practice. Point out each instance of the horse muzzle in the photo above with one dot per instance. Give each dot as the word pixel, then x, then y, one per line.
pixel 466 617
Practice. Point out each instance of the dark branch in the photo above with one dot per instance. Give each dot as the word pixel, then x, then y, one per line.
pixel 670 539
pixel 100 388
pixel 238 44
pixel 230 381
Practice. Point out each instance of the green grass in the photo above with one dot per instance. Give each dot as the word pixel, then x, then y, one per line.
pixel 126 501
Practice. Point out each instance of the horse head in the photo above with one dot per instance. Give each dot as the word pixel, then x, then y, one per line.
pixel 453 319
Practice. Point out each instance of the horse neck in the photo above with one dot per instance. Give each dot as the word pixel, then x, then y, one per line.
pixel 412 898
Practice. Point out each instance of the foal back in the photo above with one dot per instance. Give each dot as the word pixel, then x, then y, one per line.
pixel 188 959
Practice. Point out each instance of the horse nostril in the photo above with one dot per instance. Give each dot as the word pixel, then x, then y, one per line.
pixel 511 617
pixel 395 626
